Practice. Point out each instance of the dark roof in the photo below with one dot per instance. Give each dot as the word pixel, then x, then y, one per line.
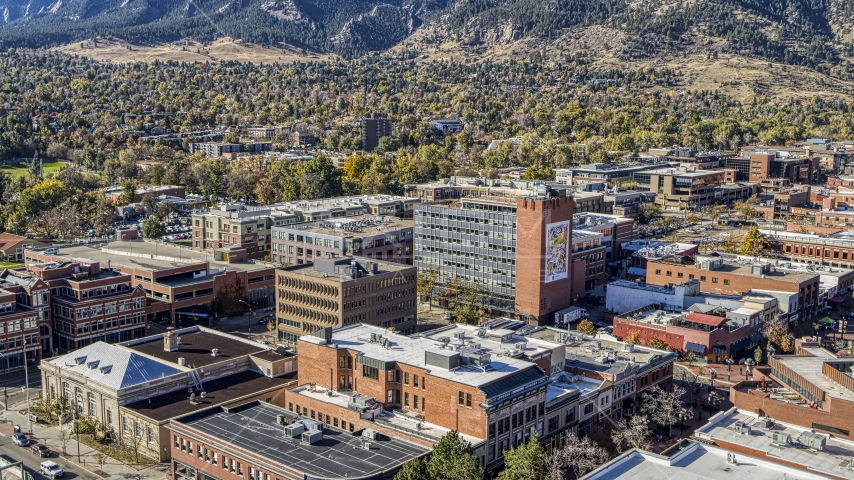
pixel 217 392
pixel 196 348
pixel 252 429
pixel 511 382
pixel 272 356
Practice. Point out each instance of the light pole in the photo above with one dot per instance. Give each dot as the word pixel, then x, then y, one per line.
pixel 250 314
pixel 729 362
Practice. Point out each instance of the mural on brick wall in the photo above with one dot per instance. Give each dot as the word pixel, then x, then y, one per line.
pixel 557 251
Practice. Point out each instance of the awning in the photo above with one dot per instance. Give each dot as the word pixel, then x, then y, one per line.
pixel 827 320
pixel 740 345
pixel 695 347
pixel 836 299
pixel 641 272
pixel 755 337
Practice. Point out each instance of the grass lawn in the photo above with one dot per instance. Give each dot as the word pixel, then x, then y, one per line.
pixel 19 169
pixel 10 264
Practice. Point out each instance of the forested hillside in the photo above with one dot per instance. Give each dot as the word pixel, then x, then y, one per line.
pixel 813 33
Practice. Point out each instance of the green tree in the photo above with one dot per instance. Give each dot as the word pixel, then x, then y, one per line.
pixel 128 194
pixel 757 354
pixel 153 228
pixel 415 469
pixel 746 207
pixel 427 280
pixel 586 327
pixel 452 459
pixel 524 462
pixel 753 242
pixel 42 196
pixel 647 212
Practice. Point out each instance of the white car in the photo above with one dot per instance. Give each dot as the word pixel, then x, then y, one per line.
pixel 725 234
pixel 51 469
pixel 690 231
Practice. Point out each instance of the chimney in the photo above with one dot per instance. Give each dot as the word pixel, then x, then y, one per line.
pixel 170 341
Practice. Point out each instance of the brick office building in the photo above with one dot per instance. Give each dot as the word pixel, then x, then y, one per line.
pixel 368 236
pixel 335 292
pixel 458 377
pixel 24 320
pixel 373 129
pixel 502 242
pixel 733 274
pixel 179 283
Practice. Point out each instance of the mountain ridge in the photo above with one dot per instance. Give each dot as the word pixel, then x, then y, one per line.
pixel 818 34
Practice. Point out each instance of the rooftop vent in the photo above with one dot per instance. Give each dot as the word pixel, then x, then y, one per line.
pixel 80 360
pixel 182 361
pixel 93 364
pixel 106 369
pixel 215 352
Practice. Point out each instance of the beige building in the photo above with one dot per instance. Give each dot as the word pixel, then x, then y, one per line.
pixel 336 292
pixel 135 388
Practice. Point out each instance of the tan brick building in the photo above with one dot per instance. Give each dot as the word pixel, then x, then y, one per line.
pixel 335 292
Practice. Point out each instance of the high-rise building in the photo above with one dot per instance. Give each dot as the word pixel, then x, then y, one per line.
pixel 373 129
pixel 502 242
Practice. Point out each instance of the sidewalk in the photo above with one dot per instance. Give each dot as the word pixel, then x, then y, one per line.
pixel 49 436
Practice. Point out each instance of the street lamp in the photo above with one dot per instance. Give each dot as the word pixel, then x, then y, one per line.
pixel 729 362
pixel 250 314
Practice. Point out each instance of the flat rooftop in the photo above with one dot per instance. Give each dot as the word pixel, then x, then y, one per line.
pixel 691 460
pixel 833 460
pixel 196 346
pixel 253 429
pixel 358 226
pixel 217 392
pixel 316 270
pixel 141 255
pixel 411 351
pixel 811 367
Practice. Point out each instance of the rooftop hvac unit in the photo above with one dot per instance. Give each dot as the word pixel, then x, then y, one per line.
pixel 520 346
pixel 294 430
pixel 460 335
pixel 596 344
pixel 629 347
pixel 280 419
pixel 781 438
pixel 371 434
pixel 480 332
pixel 766 422
pixel 311 437
pixel 742 428
pixel 812 440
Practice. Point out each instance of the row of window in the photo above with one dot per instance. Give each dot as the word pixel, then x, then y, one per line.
pixel 319 416
pixel 518 419
pixel 14 326
pixel 691 276
pixel 215 458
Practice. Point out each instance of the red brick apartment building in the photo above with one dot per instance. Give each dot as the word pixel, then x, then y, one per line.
pixel 177 284
pixel 456 378
pixel 24 320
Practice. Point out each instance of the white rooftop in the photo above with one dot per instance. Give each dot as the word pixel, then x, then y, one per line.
pixel 695 462
pixel 411 350
pixel 833 460
pixel 114 366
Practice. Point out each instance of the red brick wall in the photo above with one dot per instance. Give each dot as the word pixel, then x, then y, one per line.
pixel 623 329
pixel 536 297
pixel 836 413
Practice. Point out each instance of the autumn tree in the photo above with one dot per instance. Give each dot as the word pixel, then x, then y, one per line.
pixel 586 327
pixel 426 283
pixel 777 332
pixel 658 342
pixel 746 207
pixel 633 337
pixel 753 242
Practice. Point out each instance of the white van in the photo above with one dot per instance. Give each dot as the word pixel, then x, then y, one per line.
pixel 50 469
pixel 51 251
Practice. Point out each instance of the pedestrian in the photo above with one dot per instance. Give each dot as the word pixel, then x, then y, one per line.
pixel 740 369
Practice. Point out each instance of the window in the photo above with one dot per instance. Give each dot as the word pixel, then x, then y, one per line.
pixel 588 409
pixel 390 375
pixel 370 372
pixel 405 399
pixel 553 423
pixel 150 435
pixel 468 400
pixel 213 458
pixel 658 272
pixel 461 398
pixel 714 279
pixel 415 380
pixel 570 415
pixel 415 402
pixel 92 404
pixel 726 281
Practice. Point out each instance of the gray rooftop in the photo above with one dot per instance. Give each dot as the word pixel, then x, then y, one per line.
pixel 352 226
pixel 833 460
pixel 810 368
pixel 339 454
pixel 114 366
pixel 695 461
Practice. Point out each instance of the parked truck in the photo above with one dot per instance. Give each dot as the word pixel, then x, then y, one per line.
pixel 570 315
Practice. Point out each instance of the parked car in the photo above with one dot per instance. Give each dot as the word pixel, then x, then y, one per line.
pixel 690 231
pixel 51 251
pixel 600 324
pixel 41 450
pixel 725 234
pixel 51 469
pixel 21 439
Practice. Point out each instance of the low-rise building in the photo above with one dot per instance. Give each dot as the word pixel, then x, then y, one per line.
pixel 447 126
pixel 628 204
pixel 12 247
pixel 113 193
pixel 336 292
pixel 25 329
pixel 368 236
pixel 223 443
pixel 635 255
pixel 688 188
pixel 727 274
pixel 780 447
pixel 614 174
pixel 488 383
pixel 135 388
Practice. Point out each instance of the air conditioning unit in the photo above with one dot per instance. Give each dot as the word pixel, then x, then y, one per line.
pixel 766 422
pixel 781 438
